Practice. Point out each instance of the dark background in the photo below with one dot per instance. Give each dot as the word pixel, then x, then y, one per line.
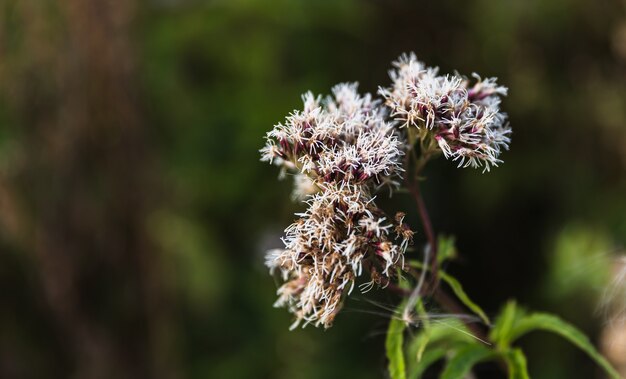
pixel 134 211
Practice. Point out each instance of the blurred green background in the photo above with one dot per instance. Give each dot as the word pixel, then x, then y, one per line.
pixel 134 211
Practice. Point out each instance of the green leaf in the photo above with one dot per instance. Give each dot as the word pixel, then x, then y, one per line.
pixel 421 311
pixel 430 356
pixel 421 347
pixel 501 332
pixel 460 293
pixel 551 323
pixel 462 362
pixel 516 363
pixel 432 344
pixel 422 342
pixel 446 248
pixel 394 344
pixel 451 332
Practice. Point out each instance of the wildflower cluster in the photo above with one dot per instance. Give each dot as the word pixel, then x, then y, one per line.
pixel 344 138
pixel 341 151
pixel 465 121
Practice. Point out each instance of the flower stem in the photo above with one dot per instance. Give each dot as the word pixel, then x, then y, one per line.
pixel 447 302
pixel 430 234
pixel 413 187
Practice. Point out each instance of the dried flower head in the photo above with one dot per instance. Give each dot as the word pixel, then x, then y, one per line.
pixel 341 150
pixel 343 138
pixel 327 248
pixel 465 121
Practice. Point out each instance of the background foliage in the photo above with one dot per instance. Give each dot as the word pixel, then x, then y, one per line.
pixel 134 211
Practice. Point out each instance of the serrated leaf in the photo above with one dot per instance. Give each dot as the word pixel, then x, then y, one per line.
pixel 461 295
pixel 516 364
pixel 394 347
pixel 551 323
pixel 462 362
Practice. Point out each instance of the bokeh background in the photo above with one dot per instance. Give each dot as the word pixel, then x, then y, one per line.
pixel 134 211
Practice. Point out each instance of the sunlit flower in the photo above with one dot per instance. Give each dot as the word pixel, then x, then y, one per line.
pixel 465 120
pixel 343 138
